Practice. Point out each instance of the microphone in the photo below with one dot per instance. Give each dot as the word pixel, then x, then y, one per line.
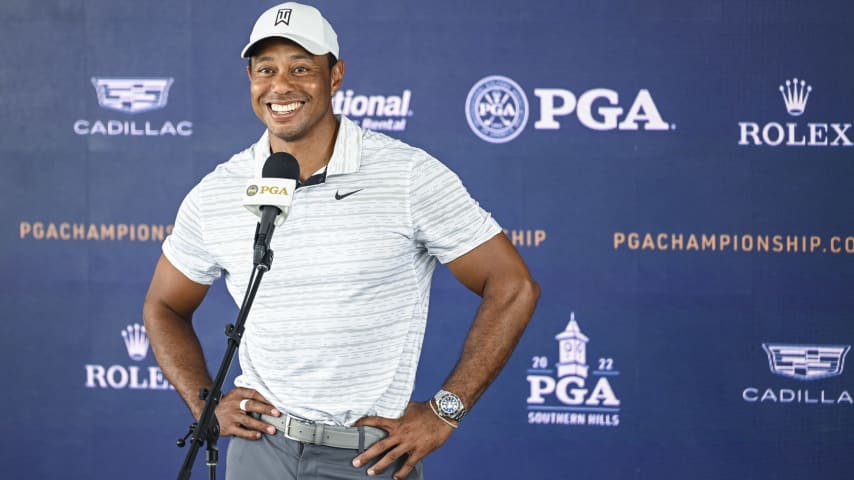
pixel 269 197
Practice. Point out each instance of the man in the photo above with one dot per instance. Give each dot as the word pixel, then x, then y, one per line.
pixel 332 343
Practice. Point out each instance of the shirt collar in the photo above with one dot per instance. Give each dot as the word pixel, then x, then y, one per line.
pixel 346 154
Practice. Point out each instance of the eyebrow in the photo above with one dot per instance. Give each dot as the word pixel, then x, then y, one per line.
pixel 295 56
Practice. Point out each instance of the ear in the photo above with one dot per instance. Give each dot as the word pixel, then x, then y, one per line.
pixel 337 76
pixel 249 70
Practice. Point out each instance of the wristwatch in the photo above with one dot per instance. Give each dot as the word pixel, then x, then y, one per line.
pixel 450 406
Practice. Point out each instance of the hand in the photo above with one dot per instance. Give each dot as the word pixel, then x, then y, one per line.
pixel 417 433
pixel 235 422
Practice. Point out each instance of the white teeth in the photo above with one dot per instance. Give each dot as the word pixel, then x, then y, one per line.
pixel 290 107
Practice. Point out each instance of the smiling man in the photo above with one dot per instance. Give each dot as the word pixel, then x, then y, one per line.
pixel 331 347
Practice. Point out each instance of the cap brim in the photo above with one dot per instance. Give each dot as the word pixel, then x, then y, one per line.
pixel 308 45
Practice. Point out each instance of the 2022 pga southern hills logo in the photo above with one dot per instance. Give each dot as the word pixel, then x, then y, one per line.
pixel 497 109
pixel 135 377
pixel 803 363
pixel 560 395
pixel 132 96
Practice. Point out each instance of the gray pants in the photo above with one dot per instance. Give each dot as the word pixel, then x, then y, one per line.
pixel 275 457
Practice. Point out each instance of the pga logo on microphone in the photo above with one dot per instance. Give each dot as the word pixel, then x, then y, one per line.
pixel 270 191
pixel 254 189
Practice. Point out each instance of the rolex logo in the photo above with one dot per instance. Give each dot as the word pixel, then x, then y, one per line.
pixel 795 94
pixel 134 377
pixel 136 341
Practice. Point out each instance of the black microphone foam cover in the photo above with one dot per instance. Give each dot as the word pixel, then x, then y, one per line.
pixel 281 165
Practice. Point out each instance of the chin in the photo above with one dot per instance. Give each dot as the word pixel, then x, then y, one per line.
pixel 286 135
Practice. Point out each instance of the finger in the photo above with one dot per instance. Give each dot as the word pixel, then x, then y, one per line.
pixel 234 422
pixel 254 395
pixel 238 430
pixel 240 392
pixel 407 467
pixel 257 406
pixel 386 424
pixel 252 423
pixel 374 451
pixel 256 402
pixel 388 459
pixel 245 426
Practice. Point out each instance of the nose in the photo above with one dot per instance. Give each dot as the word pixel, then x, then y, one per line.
pixel 281 83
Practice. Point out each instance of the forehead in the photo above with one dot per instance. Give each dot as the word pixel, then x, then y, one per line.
pixel 273 48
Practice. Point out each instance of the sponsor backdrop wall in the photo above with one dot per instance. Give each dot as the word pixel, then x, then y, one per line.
pixel 676 174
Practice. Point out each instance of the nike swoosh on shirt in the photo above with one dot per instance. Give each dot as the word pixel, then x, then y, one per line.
pixel 339 196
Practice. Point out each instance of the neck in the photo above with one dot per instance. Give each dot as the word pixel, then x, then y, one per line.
pixel 313 150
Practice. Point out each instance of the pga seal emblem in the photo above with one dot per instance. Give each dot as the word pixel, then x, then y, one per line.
pixel 497 109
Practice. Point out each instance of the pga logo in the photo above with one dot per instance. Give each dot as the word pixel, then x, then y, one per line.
pixel 571 391
pixel 566 382
pixel 497 109
pixel 598 109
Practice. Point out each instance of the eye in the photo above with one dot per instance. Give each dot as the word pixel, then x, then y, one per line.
pixel 264 70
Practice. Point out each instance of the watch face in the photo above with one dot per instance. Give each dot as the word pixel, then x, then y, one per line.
pixel 449 404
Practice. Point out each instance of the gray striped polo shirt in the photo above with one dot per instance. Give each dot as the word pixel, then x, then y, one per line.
pixel 336 329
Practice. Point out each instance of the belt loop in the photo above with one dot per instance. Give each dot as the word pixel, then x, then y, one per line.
pixel 361 439
pixel 318 434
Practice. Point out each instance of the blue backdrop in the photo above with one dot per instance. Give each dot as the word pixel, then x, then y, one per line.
pixel 676 174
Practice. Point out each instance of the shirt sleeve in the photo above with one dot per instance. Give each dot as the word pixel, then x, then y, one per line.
pixel 446 219
pixel 185 246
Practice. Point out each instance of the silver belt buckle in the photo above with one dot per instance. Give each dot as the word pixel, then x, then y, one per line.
pixel 287 432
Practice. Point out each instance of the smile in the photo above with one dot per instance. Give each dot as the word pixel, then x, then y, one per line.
pixel 284 108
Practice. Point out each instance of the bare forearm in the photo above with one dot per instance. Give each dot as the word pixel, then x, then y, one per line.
pixel 179 353
pixel 500 321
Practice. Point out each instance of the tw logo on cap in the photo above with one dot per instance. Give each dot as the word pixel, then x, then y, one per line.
pixel 283 16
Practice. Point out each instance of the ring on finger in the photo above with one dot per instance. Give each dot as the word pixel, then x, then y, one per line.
pixel 243 404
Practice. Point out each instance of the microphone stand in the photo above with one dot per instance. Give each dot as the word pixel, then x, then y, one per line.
pixel 206 430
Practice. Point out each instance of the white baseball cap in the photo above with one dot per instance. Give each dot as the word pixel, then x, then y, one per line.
pixel 301 23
